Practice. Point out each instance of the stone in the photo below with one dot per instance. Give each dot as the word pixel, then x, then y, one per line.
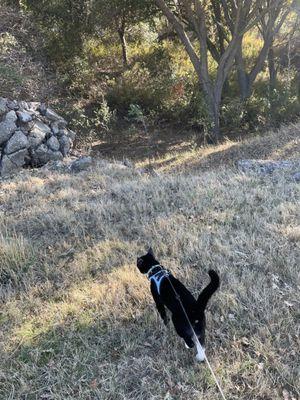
pixel 42 109
pixel 17 142
pixel 26 128
pixel 40 155
pixel 296 176
pixel 65 144
pixel 55 155
pixel 13 105
pixel 55 128
pixel 128 163
pixel 19 157
pixel 3 106
pixel 34 105
pixel 38 133
pixel 266 167
pixel 53 143
pixel 7 166
pixel 62 123
pixel 31 134
pixel 63 132
pixel 81 164
pixel 11 116
pixel 23 105
pixel 24 117
pixel 13 162
pixel 8 126
pixel 71 135
pixel 53 116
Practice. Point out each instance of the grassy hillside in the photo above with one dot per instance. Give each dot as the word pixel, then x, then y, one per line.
pixel 77 319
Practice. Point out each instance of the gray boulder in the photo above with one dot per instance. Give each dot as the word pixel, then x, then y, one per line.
pixel 40 155
pixel 3 106
pixel 17 142
pixel 55 128
pixel 19 157
pixel 81 164
pixel 8 126
pixel 13 105
pixel 11 163
pixel 38 133
pixel 71 135
pixel 266 167
pixel 7 167
pixel 24 117
pixel 42 109
pixel 55 155
pixel 11 116
pixel 23 105
pixel 53 116
pixel 296 177
pixel 34 105
pixel 53 143
pixel 65 144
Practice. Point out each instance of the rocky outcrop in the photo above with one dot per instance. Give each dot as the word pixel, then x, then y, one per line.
pixel 267 166
pixel 31 134
pixel 270 167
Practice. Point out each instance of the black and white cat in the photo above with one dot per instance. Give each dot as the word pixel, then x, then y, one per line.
pixel 162 287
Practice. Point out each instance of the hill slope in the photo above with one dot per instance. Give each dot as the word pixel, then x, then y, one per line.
pixel 78 320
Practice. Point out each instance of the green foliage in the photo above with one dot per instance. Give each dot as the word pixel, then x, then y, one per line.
pixel 135 113
pixel 197 112
pixel 104 115
pixel 91 122
pixel 82 42
pixel 63 23
pixel 9 76
pixel 132 11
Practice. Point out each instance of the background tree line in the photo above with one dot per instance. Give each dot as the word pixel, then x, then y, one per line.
pixel 215 66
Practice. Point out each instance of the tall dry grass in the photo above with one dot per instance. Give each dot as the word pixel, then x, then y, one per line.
pixel 77 320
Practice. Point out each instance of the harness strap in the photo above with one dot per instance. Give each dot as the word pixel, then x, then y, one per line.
pixel 152 268
pixel 158 277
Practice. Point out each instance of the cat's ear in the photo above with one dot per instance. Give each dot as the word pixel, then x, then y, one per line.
pixel 150 251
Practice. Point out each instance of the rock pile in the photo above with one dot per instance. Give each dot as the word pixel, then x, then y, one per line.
pixel 269 167
pixel 31 135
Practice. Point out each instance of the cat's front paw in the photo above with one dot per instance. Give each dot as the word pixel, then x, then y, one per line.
pixel 200 356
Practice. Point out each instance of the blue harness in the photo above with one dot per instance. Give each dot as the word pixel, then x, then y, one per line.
pixel 158 277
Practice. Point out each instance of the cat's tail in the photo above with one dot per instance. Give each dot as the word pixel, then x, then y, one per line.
pixel 208 291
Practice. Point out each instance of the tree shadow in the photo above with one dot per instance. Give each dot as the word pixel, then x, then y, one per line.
pixel 90 359
pixel 283 143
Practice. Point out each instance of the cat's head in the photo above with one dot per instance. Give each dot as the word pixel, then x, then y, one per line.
pixel 144 263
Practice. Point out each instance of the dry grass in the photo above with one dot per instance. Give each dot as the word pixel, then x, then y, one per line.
pixel 173 151
pixel 77 319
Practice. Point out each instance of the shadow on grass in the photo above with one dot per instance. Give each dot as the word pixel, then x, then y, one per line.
pixel 102 359
pixel 284 143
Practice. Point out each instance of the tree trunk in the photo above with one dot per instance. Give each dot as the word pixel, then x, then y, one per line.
pixel 121 33
pixel 272 85
pixel 213 105
pixel 216 133
pixel 272 70
pixel 242 76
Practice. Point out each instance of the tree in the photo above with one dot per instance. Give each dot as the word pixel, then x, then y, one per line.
pixel 241 14
pixel 63 22
pixel 120 15
pixel 272 16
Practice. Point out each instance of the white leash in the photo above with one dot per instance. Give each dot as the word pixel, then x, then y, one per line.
pixel 198 344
